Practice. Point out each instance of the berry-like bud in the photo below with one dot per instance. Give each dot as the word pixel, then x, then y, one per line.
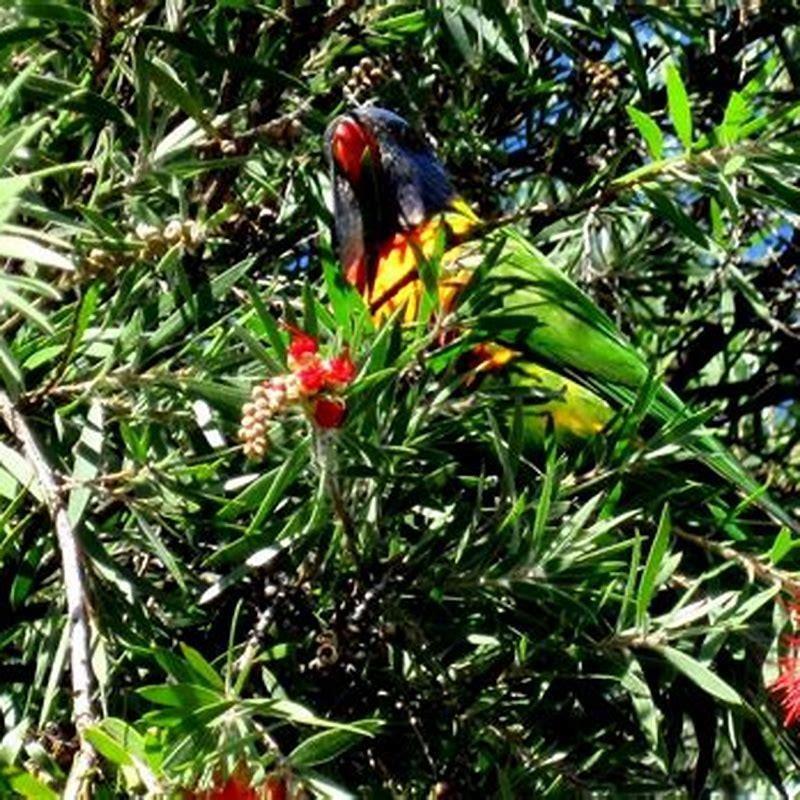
pixel 192 234
pixel 274 399
pixel 144 231
pixel 329 412
pixel 292 389
pixel 173 231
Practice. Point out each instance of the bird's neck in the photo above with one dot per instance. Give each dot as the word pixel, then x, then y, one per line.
pixel 395 271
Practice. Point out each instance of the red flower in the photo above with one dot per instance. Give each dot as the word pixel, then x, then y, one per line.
pixel 329 412
pixel 302 345
pixel 311 376
pixel 341 370
pixel 786 689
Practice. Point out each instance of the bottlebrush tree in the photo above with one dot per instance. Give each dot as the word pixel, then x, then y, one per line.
pixel 254 545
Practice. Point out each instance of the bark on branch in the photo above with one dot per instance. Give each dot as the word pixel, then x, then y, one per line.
pixel 75 590
pixel 755 567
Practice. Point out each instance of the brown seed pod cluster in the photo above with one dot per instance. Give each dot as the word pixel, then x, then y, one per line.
pixel 98 262
pixel 603 80
pixel 289 606
pixel 283 130
pixel 327 651
pixel 250 227
pixel 365 76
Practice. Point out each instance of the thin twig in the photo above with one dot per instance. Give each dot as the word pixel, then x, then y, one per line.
pixel 75 590
pixel 754 566
pixel 681 167
pixel 327 461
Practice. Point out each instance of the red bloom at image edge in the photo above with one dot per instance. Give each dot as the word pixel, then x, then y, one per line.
pixel 786 689
pixel 329 412
pixel 341 370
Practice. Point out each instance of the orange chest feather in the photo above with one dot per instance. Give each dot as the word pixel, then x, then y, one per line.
pixel 397 281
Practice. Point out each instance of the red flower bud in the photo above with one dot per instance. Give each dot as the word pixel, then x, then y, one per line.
pixel 329 412
pixel 341 370
pixel 302 345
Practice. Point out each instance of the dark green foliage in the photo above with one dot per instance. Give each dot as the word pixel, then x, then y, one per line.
pixel 414 604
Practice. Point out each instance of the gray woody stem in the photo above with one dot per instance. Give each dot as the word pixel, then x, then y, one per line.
pixel 75 589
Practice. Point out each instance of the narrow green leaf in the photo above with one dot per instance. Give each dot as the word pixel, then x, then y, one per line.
pixel 173 91
pixel 10 372
pixel 108 747
pixel 737 113
pixel 270 326
pixel 66 13
pixel 19 137
pixel 680 111
pixel 782 545
pixel 179 695
pixel 19 783
pixel 153 535
pixel 283 479
pixel 701 675
pixel 327 745
pixel 18 247
pixel 635 683
pixel 20 470
pixel 658 549
pixel 88 454
pixel 649 130
pixel 201 667
pixel 125 735
pixel 25 308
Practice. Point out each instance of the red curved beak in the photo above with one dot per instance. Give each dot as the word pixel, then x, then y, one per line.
pixel 349 144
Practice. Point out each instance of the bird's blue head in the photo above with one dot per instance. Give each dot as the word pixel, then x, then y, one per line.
pixel 386 180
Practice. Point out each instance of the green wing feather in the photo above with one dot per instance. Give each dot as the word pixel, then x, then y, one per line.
pixel 532 307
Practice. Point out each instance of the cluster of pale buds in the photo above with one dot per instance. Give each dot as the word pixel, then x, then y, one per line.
pixel 156 241
pixel 314 383
pixel 266 400
pixel 98 262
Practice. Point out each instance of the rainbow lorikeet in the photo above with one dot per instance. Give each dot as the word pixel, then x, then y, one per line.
pixel 395 209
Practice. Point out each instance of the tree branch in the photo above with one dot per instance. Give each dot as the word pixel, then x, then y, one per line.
pixel 752 565
pixel 75 590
